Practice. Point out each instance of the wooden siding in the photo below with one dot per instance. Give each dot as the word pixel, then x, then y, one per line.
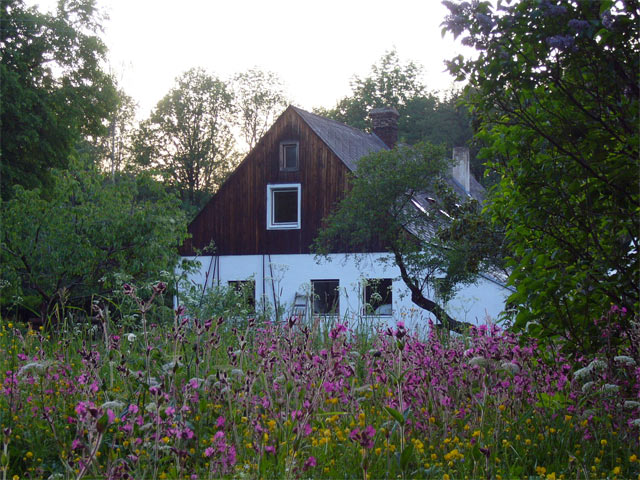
pixel 235 218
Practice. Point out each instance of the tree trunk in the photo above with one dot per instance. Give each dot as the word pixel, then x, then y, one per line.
pixel 420 300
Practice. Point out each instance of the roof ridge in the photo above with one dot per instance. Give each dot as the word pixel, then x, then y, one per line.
pixel 327 119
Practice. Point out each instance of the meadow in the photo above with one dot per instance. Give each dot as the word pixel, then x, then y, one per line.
pixel 249 398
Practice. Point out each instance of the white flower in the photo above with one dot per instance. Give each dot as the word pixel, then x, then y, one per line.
pixel 131 337
pixel 479 361
pixel 597 365
pixel 582 373
pixel 511 367
pixel 587 386
pixel 636 422
pixel 631 404
pixel 167 367
pixel 36 367
pixel 113 405
pixel 610 388
pixel 625 360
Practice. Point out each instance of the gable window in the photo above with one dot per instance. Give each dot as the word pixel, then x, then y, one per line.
pixel 283 206
pixel 289 158
pixel 326 297
pixel 246 292
pixel 378 296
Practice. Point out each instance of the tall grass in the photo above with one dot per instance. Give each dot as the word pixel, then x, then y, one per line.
pixel 250 398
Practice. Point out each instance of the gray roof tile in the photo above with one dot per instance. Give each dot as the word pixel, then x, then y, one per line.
pixel 348 143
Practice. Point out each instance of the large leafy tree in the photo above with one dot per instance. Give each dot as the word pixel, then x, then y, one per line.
pixel 188 136
pixel 555 88
pixel 53 90
pixel 400 200
pixel 424 116
pixel 92 229
pixel 259 100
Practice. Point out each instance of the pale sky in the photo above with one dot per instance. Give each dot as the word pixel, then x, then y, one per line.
pixel 315 47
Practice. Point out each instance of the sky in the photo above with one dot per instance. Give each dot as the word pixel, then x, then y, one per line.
pixel 315 47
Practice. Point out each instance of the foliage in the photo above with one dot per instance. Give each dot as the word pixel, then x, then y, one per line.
pixel 188 136
pixel 113 150
pixel 555 90
pixel 423 115
pixel 52 86
pixel 399 201
pixel 287 400
pixel 89 232
pixel 259 99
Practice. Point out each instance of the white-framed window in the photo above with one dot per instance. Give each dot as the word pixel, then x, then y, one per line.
pixel 326 297
pixel 283 206
pixel 289 156
pixel 378 296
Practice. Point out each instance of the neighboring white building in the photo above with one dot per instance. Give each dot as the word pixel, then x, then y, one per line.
pixel 266 215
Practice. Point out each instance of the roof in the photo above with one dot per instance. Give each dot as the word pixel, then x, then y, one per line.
pixel 348 143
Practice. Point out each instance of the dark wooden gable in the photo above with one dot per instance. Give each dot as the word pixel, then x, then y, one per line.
pixel 235 218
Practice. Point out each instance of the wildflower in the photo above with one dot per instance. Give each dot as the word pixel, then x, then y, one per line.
pixel 624 360
pixel 610 388
pixel 159 288
pixel 478 361
pixel 311 462
pixel 587 386
pixel 112 404
pixel 630 404
pixel 220 422
pixel 616 471
pixel 131 337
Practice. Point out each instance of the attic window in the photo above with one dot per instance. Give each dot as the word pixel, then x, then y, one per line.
pixel 283 206
pixel 289 158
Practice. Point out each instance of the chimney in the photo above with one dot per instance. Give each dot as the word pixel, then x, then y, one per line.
pixel 385 124
pixel 460 171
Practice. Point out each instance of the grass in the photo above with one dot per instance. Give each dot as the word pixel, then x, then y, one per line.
pixel 253 399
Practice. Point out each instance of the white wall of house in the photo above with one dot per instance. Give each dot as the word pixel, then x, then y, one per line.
pixel 281 277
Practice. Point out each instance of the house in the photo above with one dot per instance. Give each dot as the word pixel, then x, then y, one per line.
pixel 266 215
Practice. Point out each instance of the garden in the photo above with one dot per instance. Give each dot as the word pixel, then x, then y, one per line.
pixel 243 397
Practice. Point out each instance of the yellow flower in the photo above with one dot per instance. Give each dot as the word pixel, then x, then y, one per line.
pixel 29 455
pixel 445 477
pixel 551 476
pixel 165 439
pixel 162 476
pixel 502 408
pixel 633 458
pixel 541 470
pixel 616 471
pixel 603 442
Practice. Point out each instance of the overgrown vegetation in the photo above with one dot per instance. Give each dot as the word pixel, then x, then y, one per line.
pixel 237 397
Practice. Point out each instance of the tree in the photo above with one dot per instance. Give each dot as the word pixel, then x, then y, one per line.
pixel 188 136
pixel 259 100
pixel 399 200
pixel 113 150
pixel 89 231
pixel 555 89
pixel 423 115
pixel 52 87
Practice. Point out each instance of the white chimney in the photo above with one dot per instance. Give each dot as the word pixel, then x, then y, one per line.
pixel 460 171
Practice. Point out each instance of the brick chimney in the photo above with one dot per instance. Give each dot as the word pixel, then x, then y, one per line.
pixel 385 124
pixel 460 170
